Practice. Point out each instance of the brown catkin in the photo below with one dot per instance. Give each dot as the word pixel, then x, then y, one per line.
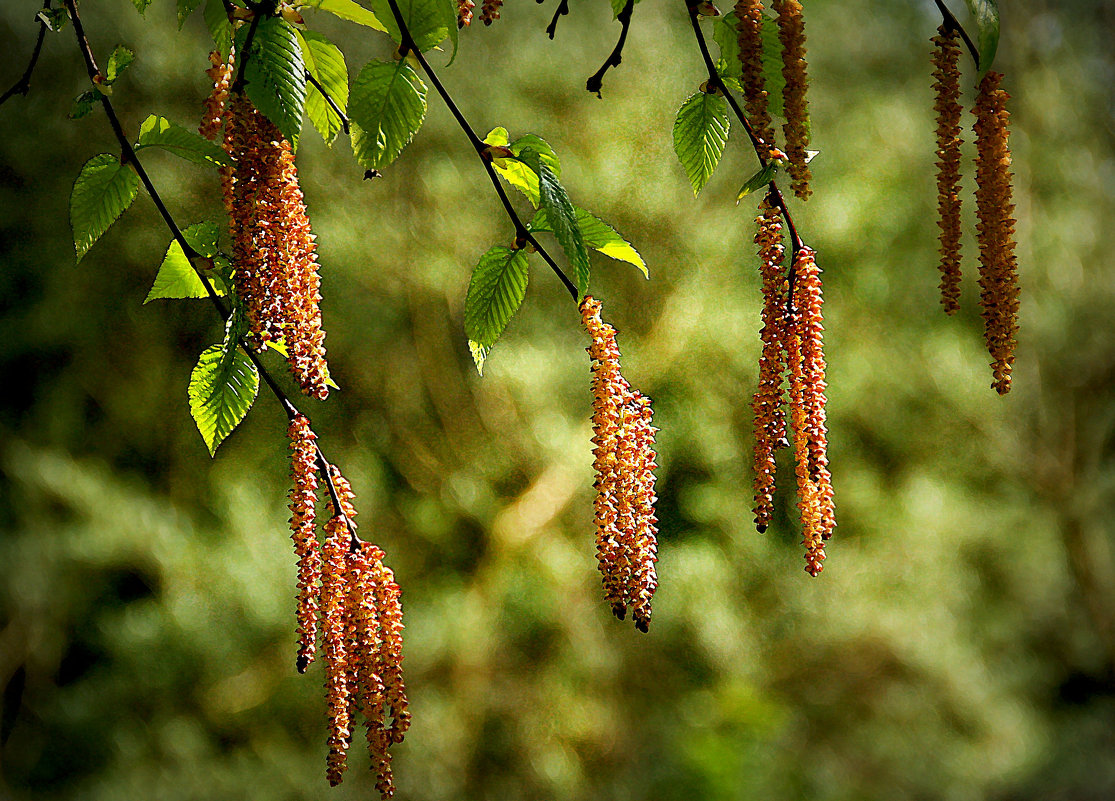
pixel 995 229
pixel 946 87
pixel 626 526
pixel 749 34
pixel 489 11
pixel 303 497
pixel 220 72
pixel 791 32
pixel 273 247
pixel 464 13
pixel 334 602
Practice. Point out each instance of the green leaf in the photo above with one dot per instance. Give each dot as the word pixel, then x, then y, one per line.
pixel 700 133
pixel 275 75
pixel 83 104
pixel 177 277
pixel 349 10
pixel 327 64
pixel 986 15
pixel 216 20
pixel 479 355
pixel 55 19
pixel 516 173
pixel 757 181
pixel 497 289
pixel 598 235
pixel 120 59
pixel 729 66
pixel 430 22
pixel 222 388
pixel 387 107
pixel 160 132
pixel 724 34
pixel 141 5
pixel 185 8
pixel 563 219
pixel 617 6
pixel 101 193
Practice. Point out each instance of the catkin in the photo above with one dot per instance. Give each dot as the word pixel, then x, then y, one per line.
pixel 749 35
pixel 791 32
pixel 489 11
pixel 220 72
pixel 303 497
pixel 946 87
pixel 464 13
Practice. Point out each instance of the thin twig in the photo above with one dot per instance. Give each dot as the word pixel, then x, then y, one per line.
pixel 953 23
pixel 562 10
pixel 329 99
pixel 23 85
pixel 596 81
pixel 522 233
pixel 128 156
pixel 259 11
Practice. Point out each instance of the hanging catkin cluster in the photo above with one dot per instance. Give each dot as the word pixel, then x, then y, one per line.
pixel 220 72
pixel 489 11
pixel 946 88
pixel 349 601
pixel 464 13
pixel 749 33
pixel 273 247
pixel 791 32
pixel 626 526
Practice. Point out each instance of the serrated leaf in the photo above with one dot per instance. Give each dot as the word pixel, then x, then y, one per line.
pixel 141 5
pixel 275 75
pixel 726 38
pixel 700 133
pixel 120 59
pixel 176 277
pixel 430 22
pixel 101 193
pixel 386 109
pixel 185 8
pixel 553 199
pixel 495 292
pixel 216 20
pixel 326 63
pixel 349 10
pixel 598 235
pixel 82 105
pixel 516 173
pixel 757 181
pixel 222 388
pixel 986 15
pixel 160 132
pixel 479 355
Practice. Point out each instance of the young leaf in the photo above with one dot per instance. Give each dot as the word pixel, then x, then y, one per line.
pixel 326 64
pixel 430 22
pixel 479 355
pixel 55 19
pixel 700 133
pixel 101 193
pixel 351 11
pixel 216 20
pixel 563 219
pixel 83 104
pixel 726 38
pixel 141 5
pixel 185 8
pixel 986 15
pixel 598 235
pixel 497 289
pixel 275 75
pixel 160 132
pixel 120 59
pixel 222 388
pixel 387 107
pixel 516 173
pixel 757 181
pixel 176 277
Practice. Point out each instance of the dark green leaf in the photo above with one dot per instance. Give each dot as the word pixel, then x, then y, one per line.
pixel 563 219
pixel 327 64
pixel 55 19
pixel 185 8
pixel 986 15
pixel 83 104
pixel 101 193
pixel 516 173
pixel 216 20
pixel 275 75
pixel 141 5
pixel 430 22
pixel 598 235
pixel 177 277
pixel 497 289
pixel 757 181
pixel 700 133
pixel 159 132
pixel 724 34
pixel 387 107
pixel 222 388
pixel 120 59
pixel 350 10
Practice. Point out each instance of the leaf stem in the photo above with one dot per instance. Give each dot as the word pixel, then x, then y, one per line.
pixel 951 22
pixel 23 85
pixel 596 81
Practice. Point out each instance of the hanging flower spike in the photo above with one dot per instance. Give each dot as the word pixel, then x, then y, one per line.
pixel 334 600
pixel 645 578
pixel 221 74
pixel 946 87
pixel 791 32
pixel 749 27
pixel 769 398
pixel 464 13
pixel 303 496
pixel 995 209
pixel 489 11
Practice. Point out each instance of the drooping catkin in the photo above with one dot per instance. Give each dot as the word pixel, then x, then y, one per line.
pixel 303 497
pixel 749 35
pixel 489 11
pixel 946 87
pixel 220 72
pixel 768 401
pixel 791 32
pixel 274 256
pixel 334 602
pixel 464 13
pixel 995 229
pixel 626 526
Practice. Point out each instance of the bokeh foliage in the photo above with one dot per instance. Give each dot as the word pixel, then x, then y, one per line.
pixel 961 642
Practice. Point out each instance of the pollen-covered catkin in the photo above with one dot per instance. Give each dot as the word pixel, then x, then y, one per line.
pixel 769 399
pixel 464 13
pixel 334 601
pixel 791 32
pixel 995 229
pixel 489 11
pixel 749 35
pixel 220 72
pixel 946 88
pixel 303 497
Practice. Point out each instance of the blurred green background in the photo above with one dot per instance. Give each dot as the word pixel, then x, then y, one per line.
pixel 961 641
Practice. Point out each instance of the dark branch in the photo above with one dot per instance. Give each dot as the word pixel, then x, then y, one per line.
pixel 23 85
pixel 952 23
pixel 522 233
pixel 562 10
pixel 329 99
pixel 197 261
pixel 595 82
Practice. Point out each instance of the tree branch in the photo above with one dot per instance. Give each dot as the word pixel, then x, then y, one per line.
pixel 23 85
pixel 128 156
pixel 951 22
pixel 562 10
pixel 596 81
pixel 522 233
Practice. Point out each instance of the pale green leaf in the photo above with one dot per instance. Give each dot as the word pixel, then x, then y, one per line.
pixel 516 173
pixel 386 109
pixel 222 388
pixel 177 277
pixel 349 10
pixel 160 132
pixel 700 133
pixel 327 64
pixel 275 75
pixel 479 355
pixel 101 193
pixel 986 15
pixel 598 235
pixel 120 59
